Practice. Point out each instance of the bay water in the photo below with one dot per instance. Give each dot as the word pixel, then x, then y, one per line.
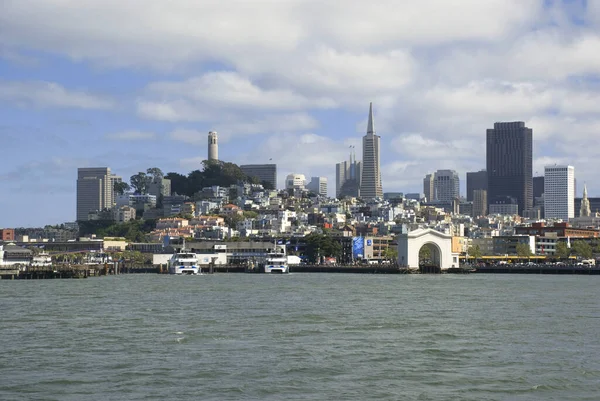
pixel 301 337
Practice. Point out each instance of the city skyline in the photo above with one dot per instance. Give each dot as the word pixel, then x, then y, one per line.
pixel 142 89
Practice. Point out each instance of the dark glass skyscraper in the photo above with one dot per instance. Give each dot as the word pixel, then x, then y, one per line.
pixel 509 160
pixel 476 180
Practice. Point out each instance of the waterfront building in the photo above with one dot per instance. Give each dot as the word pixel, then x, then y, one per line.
pixel 264 172
pixel 446 186
pixel 95 190
pixel 428 189
pixel 480 203
pixel 213 146
pixel 318 185
pixel 370 181
pixel 509 158
pixel 476 180
pixel 347 177
pixel 559 192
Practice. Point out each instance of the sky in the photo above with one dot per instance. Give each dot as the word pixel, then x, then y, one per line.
pixel 138 84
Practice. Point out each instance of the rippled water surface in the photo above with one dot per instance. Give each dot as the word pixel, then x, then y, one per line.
pixel 301 337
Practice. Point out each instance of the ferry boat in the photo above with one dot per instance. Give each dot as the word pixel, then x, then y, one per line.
pixel 276 261
pixel 184 263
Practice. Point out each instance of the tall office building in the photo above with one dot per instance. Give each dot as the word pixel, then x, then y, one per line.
pixel 559 192
pixel 264 172
pixel 370 181
pixel 446 186
pixel 509 157
pixel 95 190
pixel 476 180
pixel 213 146
pixel 480 203
pixel 347 177
pixel 428 189
pixel 318 185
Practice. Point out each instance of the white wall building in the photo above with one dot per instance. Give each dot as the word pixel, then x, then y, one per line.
pixel 295 181
pixel 559 192
pixel 446 185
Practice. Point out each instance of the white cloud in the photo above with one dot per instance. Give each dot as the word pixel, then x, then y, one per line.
pixel 49 94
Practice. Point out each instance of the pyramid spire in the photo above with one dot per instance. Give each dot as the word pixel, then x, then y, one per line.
pixel 585 191
pixel 370 126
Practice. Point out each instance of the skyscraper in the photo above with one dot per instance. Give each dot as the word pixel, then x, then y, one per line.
pixel 264 172
pixel 476 180
pixel 95 190
pixel 559 192
pixel 370 181
pixel 509 163
pixel 480 203
pixel 347 177
pixel 446 185
pixel 428 189
pixel 213 146
pixel 318 185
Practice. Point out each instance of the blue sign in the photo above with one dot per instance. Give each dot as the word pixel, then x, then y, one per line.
pixel 369 242
pixel 358 247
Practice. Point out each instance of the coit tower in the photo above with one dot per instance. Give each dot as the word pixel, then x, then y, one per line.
pixel 213 146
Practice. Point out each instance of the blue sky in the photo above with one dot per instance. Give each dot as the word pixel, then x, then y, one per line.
pixel 138 84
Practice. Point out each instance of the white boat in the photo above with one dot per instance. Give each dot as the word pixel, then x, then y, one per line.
pixel 42 259
pixel 276 261
pixel 184 263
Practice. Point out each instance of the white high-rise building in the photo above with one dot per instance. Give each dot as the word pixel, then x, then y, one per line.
pixel 559 192
pixel 318 185
pixel 295 181
pixel 446 185
pixel 95 190
pixel 213 146
pixel 428 189
pixel 370 181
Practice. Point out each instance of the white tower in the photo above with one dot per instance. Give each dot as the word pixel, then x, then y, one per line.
pixel 213 146
pixel 559 192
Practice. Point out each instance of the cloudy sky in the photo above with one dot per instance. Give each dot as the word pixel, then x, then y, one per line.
pixel 139 83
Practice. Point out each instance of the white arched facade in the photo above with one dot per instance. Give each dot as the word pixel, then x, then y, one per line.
pixel 410 243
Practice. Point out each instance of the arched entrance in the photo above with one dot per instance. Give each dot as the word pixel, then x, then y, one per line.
pixel 430 258
pixel 426 250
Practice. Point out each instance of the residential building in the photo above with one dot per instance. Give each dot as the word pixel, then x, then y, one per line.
pixel 480 203
pixel 94 190
pixel 509 158
pixel 264 172
pixel 428 189
pixel 124 213
pixel 559 192
pixel 476 180
pixel 446 186
pixel 7 234
pixel 318 185
pixel 370 181
pixel 213 146
pixel 159 187
pixel 504 205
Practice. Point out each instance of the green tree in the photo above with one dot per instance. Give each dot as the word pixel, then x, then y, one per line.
pixel 391 253
pixel 155 173
pixel 523 251
pixel 139 183
pixel 424 254
pixel 179 183
pixel 120 187
pixel 562 251
pixel 250 214
pixel 267 185
pixel 475 252
pixel 321 245
pixel 582 249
